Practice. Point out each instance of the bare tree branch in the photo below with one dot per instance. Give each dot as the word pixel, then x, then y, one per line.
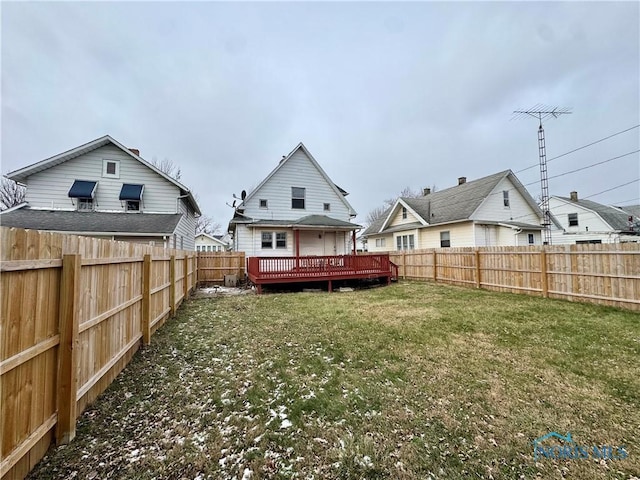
pixel 11 194
pixel 167 166
pixel 406 192
pixel 205 224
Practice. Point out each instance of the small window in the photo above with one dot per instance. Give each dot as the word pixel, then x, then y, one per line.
pixel 399 243
pixel 573 219
pixel 111 168
pixel 505 197
pixel 297 197
pixel 85 204
pixel 445 240
pixel 281 240
pixel 380 242
pixel 327 207
pixel 404 213
pixel 267 240
pixel 531 238
pixel 133 206
pixel 263 203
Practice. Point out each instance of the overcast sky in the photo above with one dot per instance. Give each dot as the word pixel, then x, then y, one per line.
pixel 384 95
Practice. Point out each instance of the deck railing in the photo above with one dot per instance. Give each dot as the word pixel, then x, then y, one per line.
pixel 264 268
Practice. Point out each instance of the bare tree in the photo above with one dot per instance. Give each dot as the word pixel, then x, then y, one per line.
pixel 205 224
pixel 167 166
pixel 376 213
pixel 11 194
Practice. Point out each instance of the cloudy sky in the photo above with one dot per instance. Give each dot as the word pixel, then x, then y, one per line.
pixel 384 95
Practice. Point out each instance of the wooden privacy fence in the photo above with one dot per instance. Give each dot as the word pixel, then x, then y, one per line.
pixel 213 266
pixel 607 274
pixel 74 312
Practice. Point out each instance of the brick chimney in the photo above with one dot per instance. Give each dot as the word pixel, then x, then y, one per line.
pixel 573 196
pixel 426 191
pixel 462 180
pixel 135 150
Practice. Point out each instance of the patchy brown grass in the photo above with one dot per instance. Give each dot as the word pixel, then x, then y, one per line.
pixel 410 381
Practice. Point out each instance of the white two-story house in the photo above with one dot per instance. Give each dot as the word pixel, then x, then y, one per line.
pixel 296 210
pixel 103 189
pixel 490 211
pixel 586 221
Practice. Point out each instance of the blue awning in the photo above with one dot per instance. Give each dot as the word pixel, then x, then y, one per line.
pixel 82 189
pixel 131 191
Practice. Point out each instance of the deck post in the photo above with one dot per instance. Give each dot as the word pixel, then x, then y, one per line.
pixel 354 242
pixel 330 289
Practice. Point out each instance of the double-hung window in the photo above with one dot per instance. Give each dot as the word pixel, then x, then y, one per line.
pixel 267 240
pixel 445 239
pixel 297 197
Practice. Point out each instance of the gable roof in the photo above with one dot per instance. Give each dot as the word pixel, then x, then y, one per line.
pixel 452 204
pixel 341 193
pixel 617 218
pixel 92 222
pixel 215 238
pixel 22 174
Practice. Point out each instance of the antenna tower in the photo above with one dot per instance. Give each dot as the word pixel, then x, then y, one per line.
pixel 541 112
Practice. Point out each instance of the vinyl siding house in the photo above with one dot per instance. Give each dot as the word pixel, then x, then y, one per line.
pixel 295 210
pixel 212 243
pixel 586 221
pixel 295 226
pixel 490 211
pixel 103 189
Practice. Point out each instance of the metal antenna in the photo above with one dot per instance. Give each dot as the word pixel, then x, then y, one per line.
pixel 541 112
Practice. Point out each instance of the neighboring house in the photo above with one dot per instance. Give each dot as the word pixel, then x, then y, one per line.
pixel 494 210
pixel 103 189
pixel 586 221
pixel 212 243
pixel 296 210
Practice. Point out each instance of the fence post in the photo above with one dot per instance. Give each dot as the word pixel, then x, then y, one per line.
pixel 478 278
pixel 404 265
pixel 68 354
pixel 172 281
pixel 543 273
pixel 185 282
pixel 146 299
pixel 435 266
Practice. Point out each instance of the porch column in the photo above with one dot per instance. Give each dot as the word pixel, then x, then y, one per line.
pixel 296 235
pixel 354 242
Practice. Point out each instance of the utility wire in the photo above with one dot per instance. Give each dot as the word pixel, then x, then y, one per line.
pixel 614 188
pixel 580 148
pixel 586 167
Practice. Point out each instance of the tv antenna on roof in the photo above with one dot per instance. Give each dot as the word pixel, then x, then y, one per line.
pixel 542 112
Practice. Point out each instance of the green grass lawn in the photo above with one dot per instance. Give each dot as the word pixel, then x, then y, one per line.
pixel 413 381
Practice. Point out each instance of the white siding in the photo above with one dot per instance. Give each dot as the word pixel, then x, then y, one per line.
pixel 397 219
pixel 518 210
pixel 298 171
pixel 186 228
pixel 50 188
pixel 460 235
pixel 588 220
pixel 388 243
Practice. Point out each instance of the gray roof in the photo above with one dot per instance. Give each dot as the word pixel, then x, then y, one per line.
pixel 308 221
pixel 616 218
pixel 91 222
pixel 632 210
pixel 455 203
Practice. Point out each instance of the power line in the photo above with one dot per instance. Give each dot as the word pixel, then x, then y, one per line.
pixel 588 166
pixel 614 188
pixel 580 148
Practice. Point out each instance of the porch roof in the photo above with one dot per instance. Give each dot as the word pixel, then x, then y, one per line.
pixel 308 222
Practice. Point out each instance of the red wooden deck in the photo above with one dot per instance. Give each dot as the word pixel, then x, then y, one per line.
pixel 271 270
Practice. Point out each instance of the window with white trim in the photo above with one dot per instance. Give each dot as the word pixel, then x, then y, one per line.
pixel 531 238
pixel 405 242
pixel 327 207
pixel 85 204
pixel 404 213
pixel 111 168
pixel 445 239
pixel 267 240
pixel 281 239
pixel 505 197
pixel 264 203
pixel 572 218
pixel 298 197
pixel 380 242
